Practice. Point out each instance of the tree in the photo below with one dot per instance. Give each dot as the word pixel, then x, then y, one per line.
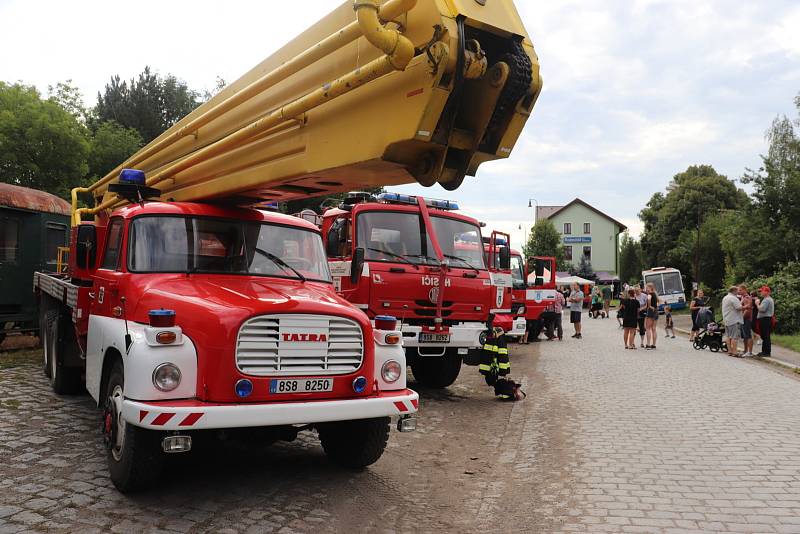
pixel 630 259
pixel 544 240
pixel 149 104
pixel 70 99
pixel 41 145
pixel 674 223
pixel 111 145
pixel 584 269
pixel 776 194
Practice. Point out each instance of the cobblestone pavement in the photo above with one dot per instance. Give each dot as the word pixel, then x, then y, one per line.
pixel 608 440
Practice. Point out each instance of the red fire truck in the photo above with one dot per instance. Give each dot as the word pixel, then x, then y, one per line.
pixel 182 317
pixel 534 285
pixel 419 260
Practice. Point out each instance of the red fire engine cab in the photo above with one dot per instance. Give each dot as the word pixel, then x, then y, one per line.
pixel 419 260
pixel 534 284
pixel 180 317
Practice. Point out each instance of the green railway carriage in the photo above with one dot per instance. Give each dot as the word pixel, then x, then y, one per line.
pixel 33 225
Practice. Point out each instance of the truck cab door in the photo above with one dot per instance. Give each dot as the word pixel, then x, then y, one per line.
pixel 106 288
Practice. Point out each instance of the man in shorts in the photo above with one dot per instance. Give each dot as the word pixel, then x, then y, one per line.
pixel 575 306
pixel 733 319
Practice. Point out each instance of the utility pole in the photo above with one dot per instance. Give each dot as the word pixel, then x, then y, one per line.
pixel 697 251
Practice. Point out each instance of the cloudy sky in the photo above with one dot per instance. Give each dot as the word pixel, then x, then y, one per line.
pixel 635 90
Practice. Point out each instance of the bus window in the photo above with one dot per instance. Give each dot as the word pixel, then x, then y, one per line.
pixel 672 283
pixel 656 280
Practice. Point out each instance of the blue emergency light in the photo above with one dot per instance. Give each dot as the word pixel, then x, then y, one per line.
pixel 399 198
pixel 132 176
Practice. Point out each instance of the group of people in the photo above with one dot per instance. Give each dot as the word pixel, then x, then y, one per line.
pixel 745 313
pixel 638 310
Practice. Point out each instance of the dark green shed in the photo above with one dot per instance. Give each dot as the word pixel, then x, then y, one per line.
pixel 33 224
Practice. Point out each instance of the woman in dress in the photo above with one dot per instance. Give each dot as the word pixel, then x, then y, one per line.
pixel 651 318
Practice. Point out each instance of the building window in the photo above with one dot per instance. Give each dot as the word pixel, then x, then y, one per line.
pixel 568 252
pixel 587 228
pixel 9 240
pixel 55 236
pixel 587 253
pixel 567 228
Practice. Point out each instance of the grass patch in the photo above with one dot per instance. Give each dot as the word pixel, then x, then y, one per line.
pixel 12 404
pixel 791 342
pixel 17 358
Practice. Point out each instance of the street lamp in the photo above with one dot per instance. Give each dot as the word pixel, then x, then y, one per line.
pixel 530 205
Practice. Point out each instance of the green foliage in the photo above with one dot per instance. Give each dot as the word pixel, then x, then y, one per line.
pixel 544 240
pixel 70 99
pixel 776 197
pixel 694 200
pixel 149 104
pixel 584 269
pixel 42 145
pixel 785 285
pixel 630 259
pixel 111 145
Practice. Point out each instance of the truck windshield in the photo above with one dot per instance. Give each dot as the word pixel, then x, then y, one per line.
pixel 517 273
pixel 391 235
pixel 207 245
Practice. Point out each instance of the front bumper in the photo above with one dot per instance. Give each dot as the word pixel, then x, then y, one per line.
pixel 518 330
pixel 462 335
pixel 197 415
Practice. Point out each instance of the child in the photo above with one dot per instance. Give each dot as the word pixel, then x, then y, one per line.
pixel 669 327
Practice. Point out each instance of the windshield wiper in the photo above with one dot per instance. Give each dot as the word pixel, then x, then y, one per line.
pixel 465 262
pixel 280 263
pixel 425 257
pixel 393 255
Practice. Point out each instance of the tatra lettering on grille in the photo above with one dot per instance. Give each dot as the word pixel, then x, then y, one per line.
pixel 299 345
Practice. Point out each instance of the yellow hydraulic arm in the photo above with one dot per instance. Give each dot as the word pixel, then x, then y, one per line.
pixel 371 95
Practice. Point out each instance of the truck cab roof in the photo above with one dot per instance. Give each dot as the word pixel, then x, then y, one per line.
pixel 197 209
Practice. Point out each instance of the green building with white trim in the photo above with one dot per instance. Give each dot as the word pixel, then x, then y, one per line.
pixel 586 231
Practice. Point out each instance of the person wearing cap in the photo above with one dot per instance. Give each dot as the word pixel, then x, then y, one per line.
pixel 766 309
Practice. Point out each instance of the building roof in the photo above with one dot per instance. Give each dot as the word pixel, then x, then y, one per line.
pixel 23 198
pixel 544 212
pixel 555 210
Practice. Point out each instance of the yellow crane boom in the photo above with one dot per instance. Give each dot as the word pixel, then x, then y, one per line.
pixel 371 95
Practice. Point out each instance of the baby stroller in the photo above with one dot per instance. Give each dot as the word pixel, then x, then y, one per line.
pixel 711 337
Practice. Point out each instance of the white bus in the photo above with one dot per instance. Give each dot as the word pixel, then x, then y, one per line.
pixel 669 285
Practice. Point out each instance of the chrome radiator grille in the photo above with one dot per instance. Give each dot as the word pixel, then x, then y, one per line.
pixel 297 345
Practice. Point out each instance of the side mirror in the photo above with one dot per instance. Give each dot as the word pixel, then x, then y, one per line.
pixel 332 245
pixel 86 247
pixel 357 265
pixel 504 258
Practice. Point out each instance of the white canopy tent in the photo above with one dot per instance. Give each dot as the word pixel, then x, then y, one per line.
pixel 567 280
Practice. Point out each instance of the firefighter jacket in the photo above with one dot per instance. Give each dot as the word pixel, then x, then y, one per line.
pixel 494 358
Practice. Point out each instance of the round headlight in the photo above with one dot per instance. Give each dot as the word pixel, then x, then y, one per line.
pixel 166 377
pixel 391 371
pixel 482 338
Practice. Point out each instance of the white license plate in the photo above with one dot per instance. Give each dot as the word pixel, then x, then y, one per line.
pixel 434 338
pixel 303 385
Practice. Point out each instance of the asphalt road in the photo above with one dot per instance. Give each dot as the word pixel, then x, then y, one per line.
pixel 608 440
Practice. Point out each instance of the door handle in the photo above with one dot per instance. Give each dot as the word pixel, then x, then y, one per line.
pixel 92 295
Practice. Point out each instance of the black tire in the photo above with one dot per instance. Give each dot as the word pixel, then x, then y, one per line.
pixel 714 346
pixel 355 444
pixel 697 345
pixel 135 460
pixel 435 371
pixel 64 380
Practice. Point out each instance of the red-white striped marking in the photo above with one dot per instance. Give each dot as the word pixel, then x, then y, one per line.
pixel 161 419
pixel 403 407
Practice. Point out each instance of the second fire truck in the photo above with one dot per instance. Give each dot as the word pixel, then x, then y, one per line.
pixel 421 261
